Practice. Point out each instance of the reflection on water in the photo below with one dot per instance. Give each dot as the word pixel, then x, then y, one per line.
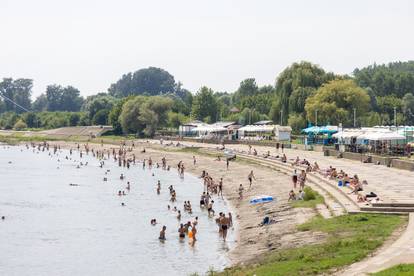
pixel 52 228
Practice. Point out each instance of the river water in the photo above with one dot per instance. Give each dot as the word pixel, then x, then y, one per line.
pixel 53 228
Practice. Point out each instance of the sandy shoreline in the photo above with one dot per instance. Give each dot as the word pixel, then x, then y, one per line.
pixel 252 240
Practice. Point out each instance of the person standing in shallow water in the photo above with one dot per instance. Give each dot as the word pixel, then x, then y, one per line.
pixel 162 233
pixel 224 223
pixel 220 188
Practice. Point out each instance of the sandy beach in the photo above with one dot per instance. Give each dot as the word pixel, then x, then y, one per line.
pixel 252 240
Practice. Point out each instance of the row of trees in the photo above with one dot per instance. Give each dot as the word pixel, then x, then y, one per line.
pixel 149 99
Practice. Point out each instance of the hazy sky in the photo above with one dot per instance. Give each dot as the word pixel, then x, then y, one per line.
pixel 90 44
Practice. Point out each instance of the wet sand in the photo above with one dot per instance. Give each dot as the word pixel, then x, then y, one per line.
pixel 252 240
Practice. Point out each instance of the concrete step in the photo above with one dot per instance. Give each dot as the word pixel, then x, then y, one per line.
pixel 393 204
pixel 388 209
pixel 377 212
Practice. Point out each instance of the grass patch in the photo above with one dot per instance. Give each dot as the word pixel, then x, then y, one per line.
pixel 191 149
pixel 398 270
pixel 350 239
pixel 310 200
pixel 17 138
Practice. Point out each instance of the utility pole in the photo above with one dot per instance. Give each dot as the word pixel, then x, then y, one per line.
pixel 316 117
pixel 395 116
pixel 250 117
pixel 281 117
pixel 354 117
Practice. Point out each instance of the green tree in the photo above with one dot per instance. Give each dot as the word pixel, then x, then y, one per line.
pixel 74 119
pixel 31 119
pixel 396 78
pixel 386 104
pixel 176 119
pixel 298 98
pixel 61 98
pixel 101 117
pixel 143 115
pixel 298 75
pixel 16 94
pixel 96 103
pixel 297 122
pixel 8 119
pixel 372 119
pixel 205 105
pixel 335 102
pixel 40 104
pixel 149 81
pixel 19 125
pixel 408 108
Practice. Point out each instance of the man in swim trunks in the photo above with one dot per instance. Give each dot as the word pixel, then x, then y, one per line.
pixel 181 231
pixel 162 233
pixel 224 223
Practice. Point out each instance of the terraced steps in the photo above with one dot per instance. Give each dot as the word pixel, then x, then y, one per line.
pixel 393 204
pixel 387 209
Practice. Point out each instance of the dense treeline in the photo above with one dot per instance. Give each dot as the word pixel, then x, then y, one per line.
pixel 149 99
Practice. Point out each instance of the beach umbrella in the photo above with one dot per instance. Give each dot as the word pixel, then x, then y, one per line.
pixel 261 199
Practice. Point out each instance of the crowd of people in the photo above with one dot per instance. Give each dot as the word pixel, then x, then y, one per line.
pixel 124 156
pixel 304 166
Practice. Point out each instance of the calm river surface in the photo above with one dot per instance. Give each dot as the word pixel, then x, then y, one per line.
pixel 52 228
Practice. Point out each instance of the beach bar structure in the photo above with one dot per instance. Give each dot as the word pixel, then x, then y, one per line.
pixel 372 139
pixel 257 132
pixel 319 134
pixel 186 129
pixel 218 130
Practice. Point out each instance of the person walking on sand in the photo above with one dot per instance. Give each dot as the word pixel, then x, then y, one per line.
pixel 294 178
pixel 227 163
pixel 194 160
pixel 250 177
pixel 241 189
pixel 302 179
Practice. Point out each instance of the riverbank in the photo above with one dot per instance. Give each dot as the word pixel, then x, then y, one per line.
pixel 257 246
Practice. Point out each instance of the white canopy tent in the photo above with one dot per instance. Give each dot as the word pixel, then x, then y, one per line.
pixel 209 128
pixel 259 132
pixel 363 135
pixel 381 136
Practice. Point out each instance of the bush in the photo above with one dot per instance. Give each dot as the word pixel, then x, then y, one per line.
pixel 309 194
pixel 19 125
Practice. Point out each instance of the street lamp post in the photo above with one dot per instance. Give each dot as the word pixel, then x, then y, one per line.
pixel 281 117
pixel 354 117
pixel 316 117
pixel 395 116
